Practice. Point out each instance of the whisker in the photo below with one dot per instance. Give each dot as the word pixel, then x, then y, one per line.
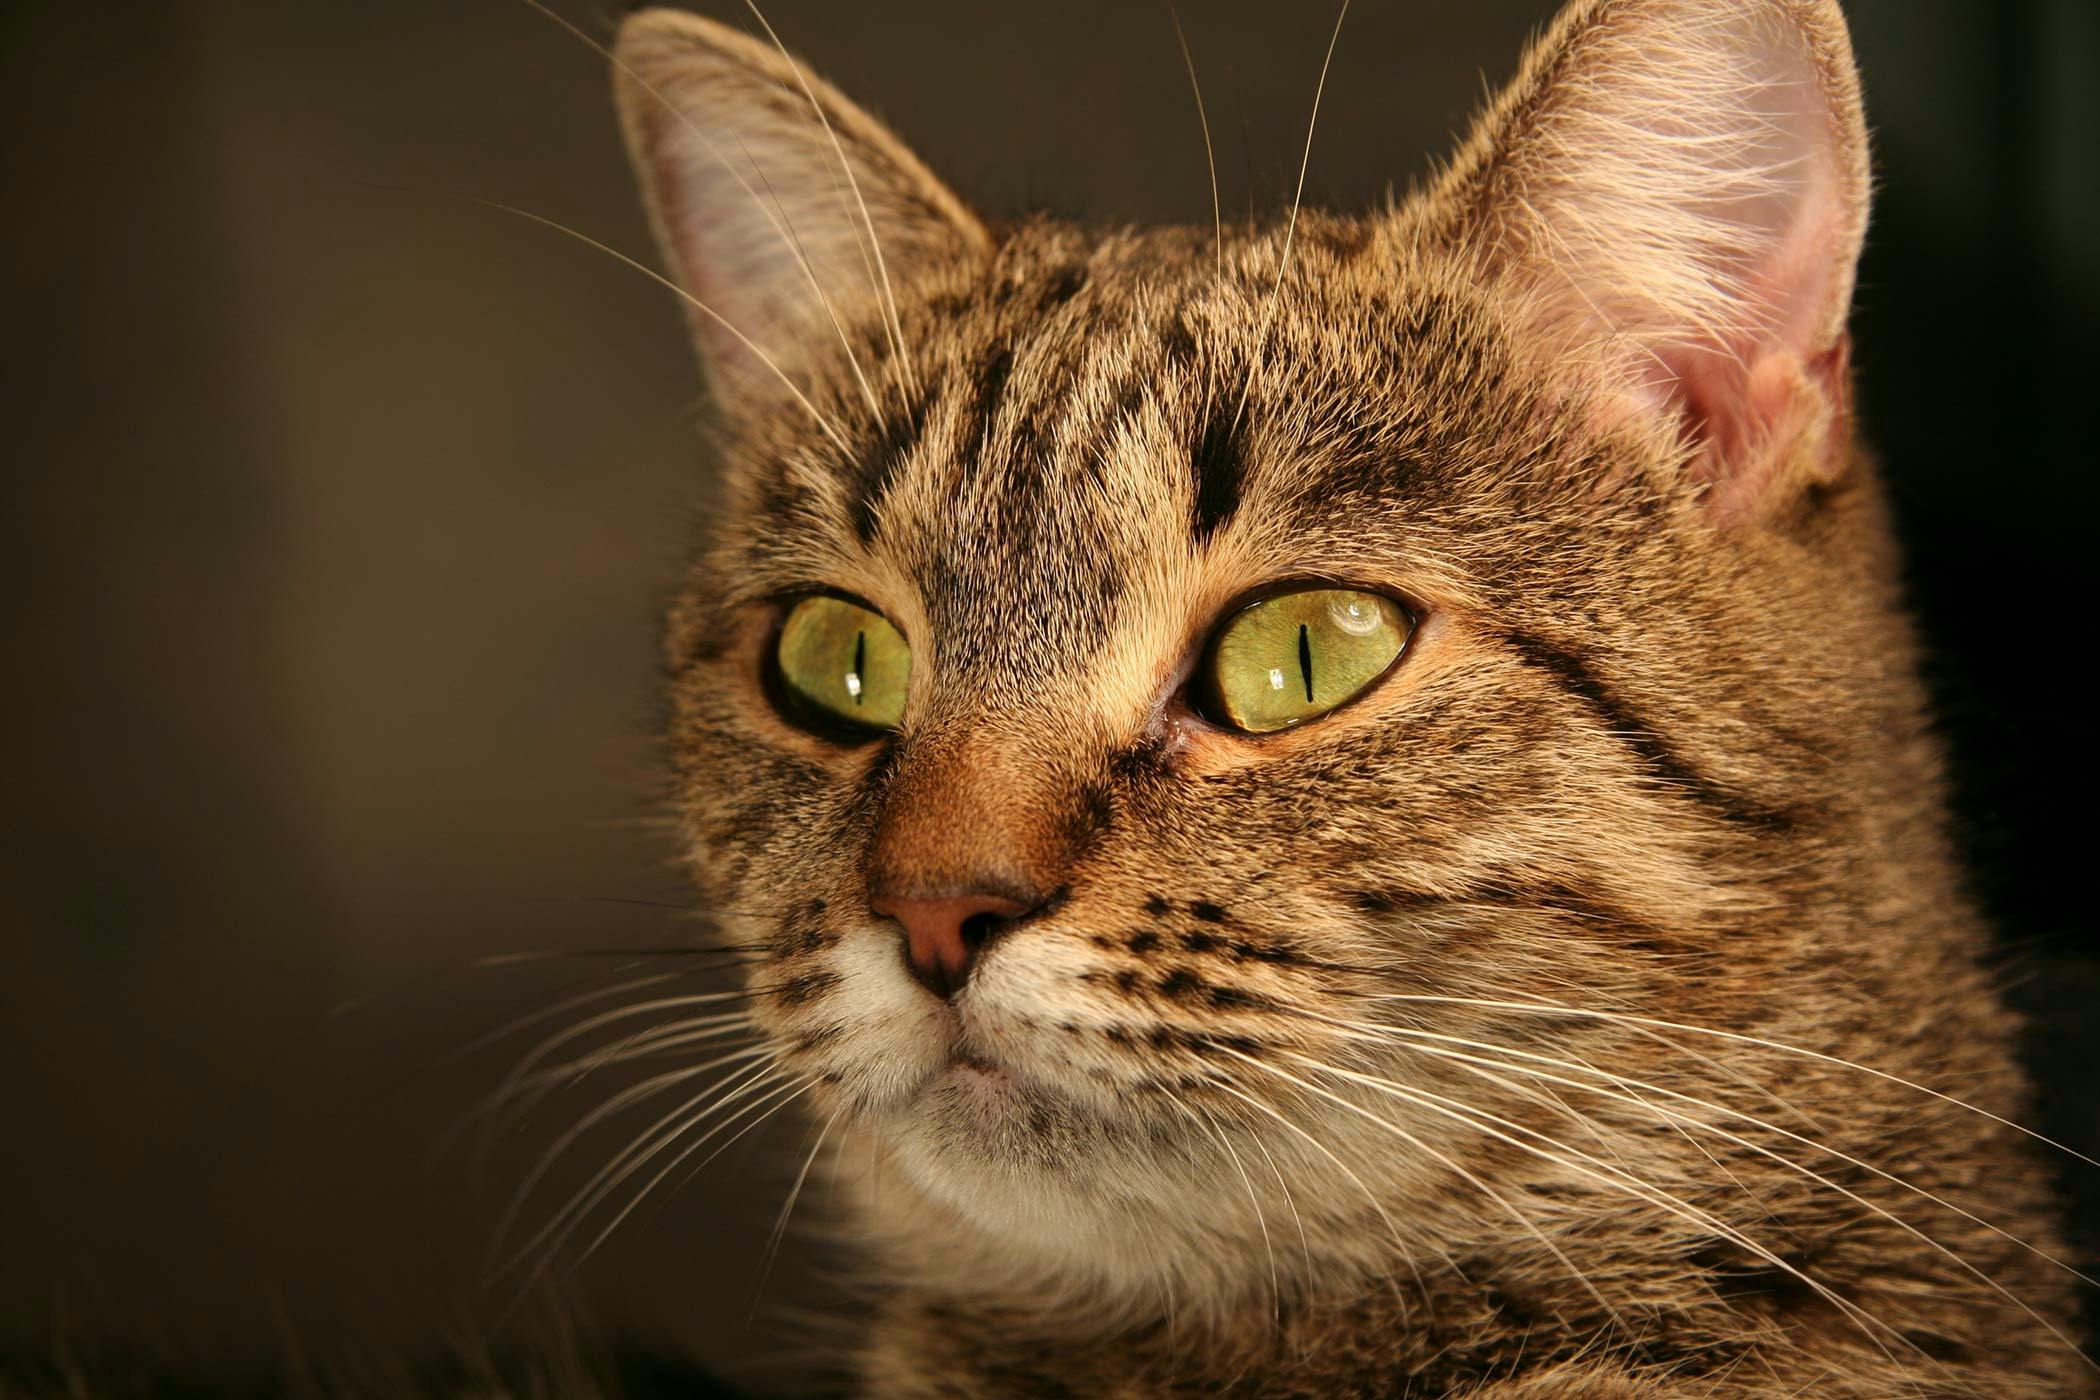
pixel 770 1100
pixel 1726 1071
pixel 666 1039
pixel 1470 1062
pixel 1210 159
pixel 867 390
pixel 894 323
pixel 626 1098
pixel 781 226
pixel 1425 1149
pixel 829 428
pixel 1204 1122
pixel 1543 1008
pixel 1727 1112
pixel 507 1090
pixel 565 1005
pixel 581 1208
pixel 1605 1174
pixel 794 1194
pixel 646 1147
pixel 1304 1243
pixel 527 957
pixel 1290 233
pixel 713 911
pixel 1676 1118
pixel 485 1110
pixel 1392 1230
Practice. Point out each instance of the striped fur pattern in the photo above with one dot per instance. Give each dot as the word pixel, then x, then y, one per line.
pixel 1535 1026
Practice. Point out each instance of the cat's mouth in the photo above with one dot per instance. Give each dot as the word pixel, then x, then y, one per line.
pixel 993 1106
pixel 981 1071
pixel 985 1072
pixel 980 1080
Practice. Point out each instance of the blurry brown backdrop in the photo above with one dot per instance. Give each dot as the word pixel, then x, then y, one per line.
pixel 340 507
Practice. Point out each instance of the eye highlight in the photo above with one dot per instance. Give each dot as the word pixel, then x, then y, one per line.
pixel 1291 657
pixel 842 665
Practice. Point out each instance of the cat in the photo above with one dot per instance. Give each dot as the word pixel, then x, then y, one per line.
pixel 1344 807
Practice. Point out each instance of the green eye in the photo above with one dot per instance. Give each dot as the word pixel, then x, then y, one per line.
pixel 1295 656
pixel 843 663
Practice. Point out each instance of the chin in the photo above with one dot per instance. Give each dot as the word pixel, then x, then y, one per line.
pixel 976 1119
pixel 1023 1163
pixel 1012 1190
pixel 987 1110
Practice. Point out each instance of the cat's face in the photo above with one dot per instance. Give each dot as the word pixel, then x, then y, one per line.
pixel 1072 948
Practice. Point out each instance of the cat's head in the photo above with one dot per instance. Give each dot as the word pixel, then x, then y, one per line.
pixel 1139 680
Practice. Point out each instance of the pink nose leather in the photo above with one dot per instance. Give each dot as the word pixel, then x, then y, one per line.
pixel 942 936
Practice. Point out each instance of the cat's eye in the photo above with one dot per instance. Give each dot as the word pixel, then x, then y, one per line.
pixel 1291 657
pixel 839 663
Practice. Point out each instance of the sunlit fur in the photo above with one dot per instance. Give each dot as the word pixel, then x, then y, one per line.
pixel 1272 1089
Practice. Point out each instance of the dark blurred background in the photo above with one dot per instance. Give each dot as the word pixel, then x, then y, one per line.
pixel 340 509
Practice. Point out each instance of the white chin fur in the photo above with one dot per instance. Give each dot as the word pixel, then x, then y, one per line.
pixel 987 1171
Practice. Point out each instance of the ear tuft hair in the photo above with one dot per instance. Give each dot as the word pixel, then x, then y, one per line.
pixel 785 210
pixel 1676 191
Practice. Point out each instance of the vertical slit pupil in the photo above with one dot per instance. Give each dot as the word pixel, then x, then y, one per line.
pixel 1305 660
pixel 860 663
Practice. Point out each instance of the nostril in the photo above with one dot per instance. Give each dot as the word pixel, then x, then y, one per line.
pixel 943 935
pixel 979 929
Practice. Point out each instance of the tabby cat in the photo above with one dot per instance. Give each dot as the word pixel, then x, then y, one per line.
pixel 1344 808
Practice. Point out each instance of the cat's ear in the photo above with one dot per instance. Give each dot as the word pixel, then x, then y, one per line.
pixel 1675 191
pixel 787 212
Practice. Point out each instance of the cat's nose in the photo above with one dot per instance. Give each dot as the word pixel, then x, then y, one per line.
pixel 943 936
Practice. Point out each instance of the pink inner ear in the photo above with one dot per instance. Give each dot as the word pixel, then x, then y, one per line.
pixel 1751 419
pixel 1748 396
pixel 1682 202
pixel 730 253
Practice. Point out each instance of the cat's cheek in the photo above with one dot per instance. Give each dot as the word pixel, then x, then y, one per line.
pixel 1035 1007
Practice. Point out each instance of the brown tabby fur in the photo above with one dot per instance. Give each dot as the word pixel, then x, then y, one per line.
pixel 1656 750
